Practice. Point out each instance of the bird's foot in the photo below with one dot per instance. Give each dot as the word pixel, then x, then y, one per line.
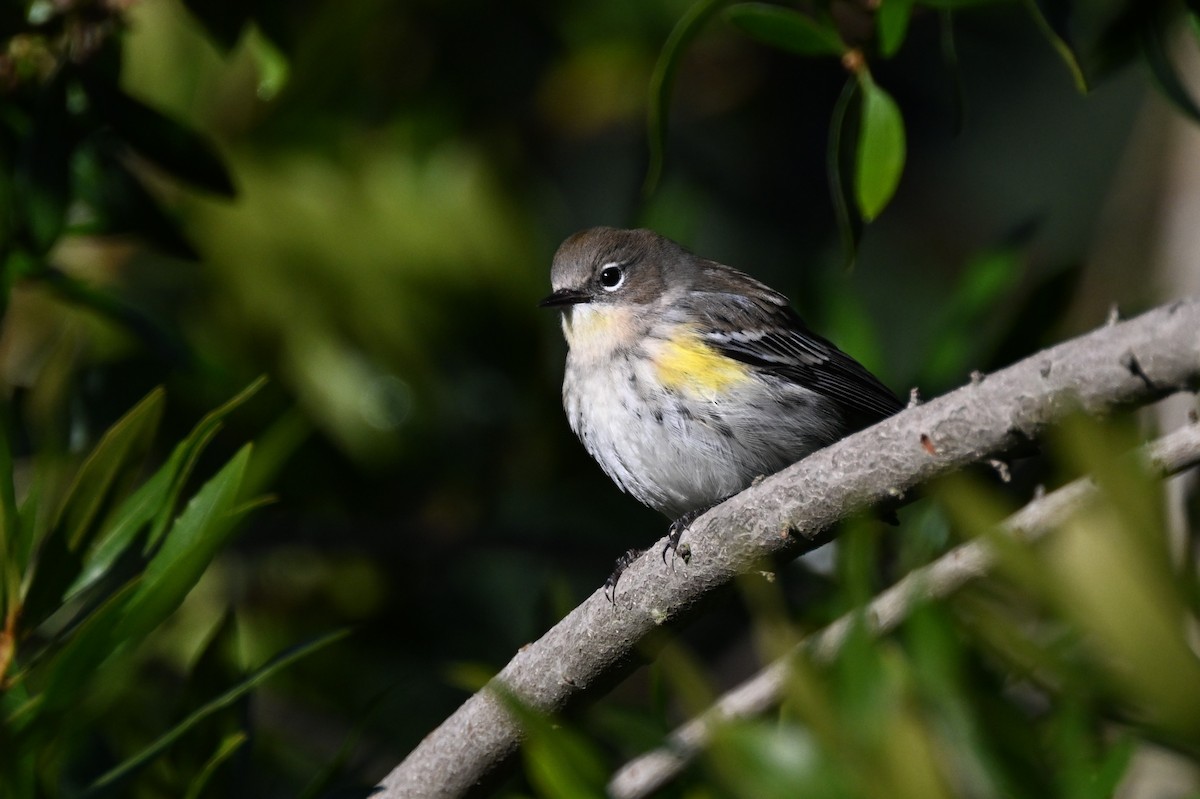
pixel 610 585
pixel 676 531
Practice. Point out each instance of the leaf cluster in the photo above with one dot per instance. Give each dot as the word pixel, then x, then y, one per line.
pixel 97 552
pixel 867 145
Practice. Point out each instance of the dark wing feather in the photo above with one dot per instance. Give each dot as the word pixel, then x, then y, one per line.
pixel 751 323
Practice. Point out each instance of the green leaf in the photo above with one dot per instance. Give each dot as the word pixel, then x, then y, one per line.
pixel 321 784
pixel 962 334
pixel 10 526
pixel 892 25
pixel 787 29
pixel 881 149
pixel 138 510
pixel 112 462
pixel 1151 40
pixel 559 761
pixel 19 755
pixel 90 645
pixel 1052 17
pixel 849 226
pixel 125 441
pixel 195 443
pixel 662 81
pixel 949 50
pixel 191 544
pixel 225 750
pixel 178 150
pixel 226 699
pixel 156 499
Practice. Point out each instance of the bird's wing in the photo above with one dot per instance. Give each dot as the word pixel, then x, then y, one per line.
pixel 756 325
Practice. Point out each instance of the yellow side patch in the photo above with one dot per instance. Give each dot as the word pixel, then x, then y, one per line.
pixel 685 363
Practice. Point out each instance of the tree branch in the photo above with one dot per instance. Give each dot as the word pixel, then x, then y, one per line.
pixel 793 511
pixel 646 773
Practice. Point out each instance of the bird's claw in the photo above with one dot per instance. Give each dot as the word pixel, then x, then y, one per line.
pixel 610 585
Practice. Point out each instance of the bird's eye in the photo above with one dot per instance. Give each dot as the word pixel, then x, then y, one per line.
pixel 611 277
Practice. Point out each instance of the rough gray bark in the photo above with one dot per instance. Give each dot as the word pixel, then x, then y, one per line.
pixel 791 512
pixel 647 773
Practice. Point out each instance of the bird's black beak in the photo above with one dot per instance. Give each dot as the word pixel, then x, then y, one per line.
pixel 565 297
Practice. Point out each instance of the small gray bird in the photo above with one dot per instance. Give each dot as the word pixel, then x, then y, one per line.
pixel 687 379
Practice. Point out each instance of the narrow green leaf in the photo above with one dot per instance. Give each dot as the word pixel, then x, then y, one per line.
pixel 949 50
pixel 663 80
pixel 18 707
pixel 226 699
pixel 987 282
pixel 19 755
pixel 1154 50
pixel 111 463
pixel 881 149
pixel 892 25
pixel 191 544
pixel 324 779
pixel 10 525
pixel 848 225
pixel 563 763
pixel 130 519
pixel 155 501
pixel 225 750
pixel 1051 21
pixel 125 441
pixel 194 445
pixel 787 29
pixel 559 761
pixel 91 644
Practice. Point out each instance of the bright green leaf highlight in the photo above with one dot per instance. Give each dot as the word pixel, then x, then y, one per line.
pixel 881 149
pixel 194 540
pixel 788 30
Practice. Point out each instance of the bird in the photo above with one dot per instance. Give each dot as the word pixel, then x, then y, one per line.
pixel 687 379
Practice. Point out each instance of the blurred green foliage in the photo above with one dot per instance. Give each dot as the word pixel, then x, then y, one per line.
pixel 361 201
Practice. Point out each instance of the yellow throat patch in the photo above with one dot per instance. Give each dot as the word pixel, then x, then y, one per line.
pixel 687 364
